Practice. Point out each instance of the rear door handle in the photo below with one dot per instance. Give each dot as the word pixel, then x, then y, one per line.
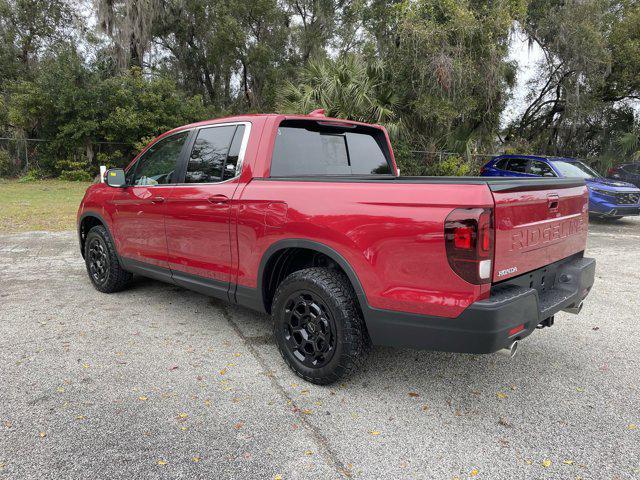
pixel 552 201
pixel 218 199
pixel 157 200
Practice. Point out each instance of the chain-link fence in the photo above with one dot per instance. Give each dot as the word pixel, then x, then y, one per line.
pixel 20 155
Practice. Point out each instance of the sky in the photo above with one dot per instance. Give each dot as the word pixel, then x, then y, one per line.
pixel 527 57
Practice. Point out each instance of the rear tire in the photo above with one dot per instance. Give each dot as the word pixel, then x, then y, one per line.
pixel 317 325
pixel 103 266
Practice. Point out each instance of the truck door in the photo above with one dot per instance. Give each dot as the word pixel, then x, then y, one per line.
pixel 139 208
pixel 198 212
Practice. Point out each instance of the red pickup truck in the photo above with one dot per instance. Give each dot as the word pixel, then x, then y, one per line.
pixel 306 218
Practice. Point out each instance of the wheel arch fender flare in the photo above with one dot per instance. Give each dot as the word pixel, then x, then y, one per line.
pixel 104 223
pixel 315 246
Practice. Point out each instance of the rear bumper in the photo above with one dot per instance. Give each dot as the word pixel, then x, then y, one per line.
pixel 484 327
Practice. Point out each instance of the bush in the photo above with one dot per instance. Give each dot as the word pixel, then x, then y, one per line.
pixel 33 175
pixel 75 176
pixel 452 166
pixel 7 167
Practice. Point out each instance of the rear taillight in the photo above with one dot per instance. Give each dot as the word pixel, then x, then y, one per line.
pixel 611 171
pixel 468 236
pixel 483 170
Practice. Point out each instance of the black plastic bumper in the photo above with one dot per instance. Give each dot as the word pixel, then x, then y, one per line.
pixel 485 325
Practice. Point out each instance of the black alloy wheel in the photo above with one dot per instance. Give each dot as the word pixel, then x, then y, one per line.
pixel 309 329
pixel 98 261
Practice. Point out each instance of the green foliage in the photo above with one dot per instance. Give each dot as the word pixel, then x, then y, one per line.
pixel 75 176
pixel 78 111
pixel 348 87
pixel 7 167
pixel 436 73
pixel 32 175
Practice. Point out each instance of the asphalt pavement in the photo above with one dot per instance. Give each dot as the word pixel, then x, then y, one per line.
pixel 161 382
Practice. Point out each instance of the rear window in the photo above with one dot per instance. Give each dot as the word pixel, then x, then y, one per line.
pixel 313 148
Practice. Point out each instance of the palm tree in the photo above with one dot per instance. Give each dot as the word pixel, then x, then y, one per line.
pixel 629 145
pixel 346 87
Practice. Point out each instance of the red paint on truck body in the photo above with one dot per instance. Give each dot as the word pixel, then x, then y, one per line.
pixel 390 233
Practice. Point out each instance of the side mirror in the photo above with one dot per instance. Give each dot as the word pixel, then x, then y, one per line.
pixel 115 178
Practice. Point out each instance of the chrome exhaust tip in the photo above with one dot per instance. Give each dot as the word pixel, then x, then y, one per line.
pixel 509 351
pixel 575 310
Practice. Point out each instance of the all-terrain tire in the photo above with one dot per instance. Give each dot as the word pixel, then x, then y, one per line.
pixel 327 298
pixel 104 269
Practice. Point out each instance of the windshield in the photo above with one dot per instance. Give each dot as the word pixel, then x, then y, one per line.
pixel 574 169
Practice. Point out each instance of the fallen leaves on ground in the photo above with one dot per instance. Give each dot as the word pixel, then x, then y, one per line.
pixel 546 463
pixel 43 434
pixel 474 472
pixel 374 432
pixel 162 462
pixel 501 395
pixel 238 425
pixel 143 398
pixel 414 394
pixel 568 462
pixel 632 426
pixel 196 459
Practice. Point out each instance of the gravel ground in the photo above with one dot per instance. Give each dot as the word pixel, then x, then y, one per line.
pixel 160 382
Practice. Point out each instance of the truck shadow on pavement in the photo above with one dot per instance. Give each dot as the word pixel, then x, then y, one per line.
pixel 386 367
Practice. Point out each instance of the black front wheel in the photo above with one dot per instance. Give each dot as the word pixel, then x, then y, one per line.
pixel 103 267
pixel 317 326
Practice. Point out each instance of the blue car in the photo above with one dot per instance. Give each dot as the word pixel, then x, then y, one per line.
pixel 607 198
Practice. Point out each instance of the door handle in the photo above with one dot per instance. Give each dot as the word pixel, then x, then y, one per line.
pixel 218 199
pixel 157 200
pixel 552 201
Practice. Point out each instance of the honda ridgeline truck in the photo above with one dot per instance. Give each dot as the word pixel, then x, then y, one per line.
pixel 306 218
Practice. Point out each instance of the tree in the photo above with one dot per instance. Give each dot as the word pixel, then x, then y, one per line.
pixel 579 102
pixel 129 24
pixel 348 87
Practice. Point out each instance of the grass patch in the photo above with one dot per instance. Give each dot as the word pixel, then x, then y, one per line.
pixel 43 205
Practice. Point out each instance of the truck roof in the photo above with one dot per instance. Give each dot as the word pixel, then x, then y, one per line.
pixel 264 116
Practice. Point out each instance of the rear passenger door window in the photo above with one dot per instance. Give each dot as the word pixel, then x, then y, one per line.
pixel 209 154
pixel 517 165
pixel 541 169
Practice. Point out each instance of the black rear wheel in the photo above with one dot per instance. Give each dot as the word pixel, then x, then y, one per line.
pixel 102 263
pixel 317 325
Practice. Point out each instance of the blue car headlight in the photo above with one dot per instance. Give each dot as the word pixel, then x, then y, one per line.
pixel 602 192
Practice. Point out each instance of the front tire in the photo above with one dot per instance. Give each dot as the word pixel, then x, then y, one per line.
pixel 101 259
pixel 317 325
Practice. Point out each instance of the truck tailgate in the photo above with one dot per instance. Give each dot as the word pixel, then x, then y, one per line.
pixel 537 224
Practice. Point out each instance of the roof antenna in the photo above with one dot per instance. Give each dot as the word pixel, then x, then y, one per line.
pixel 318 113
